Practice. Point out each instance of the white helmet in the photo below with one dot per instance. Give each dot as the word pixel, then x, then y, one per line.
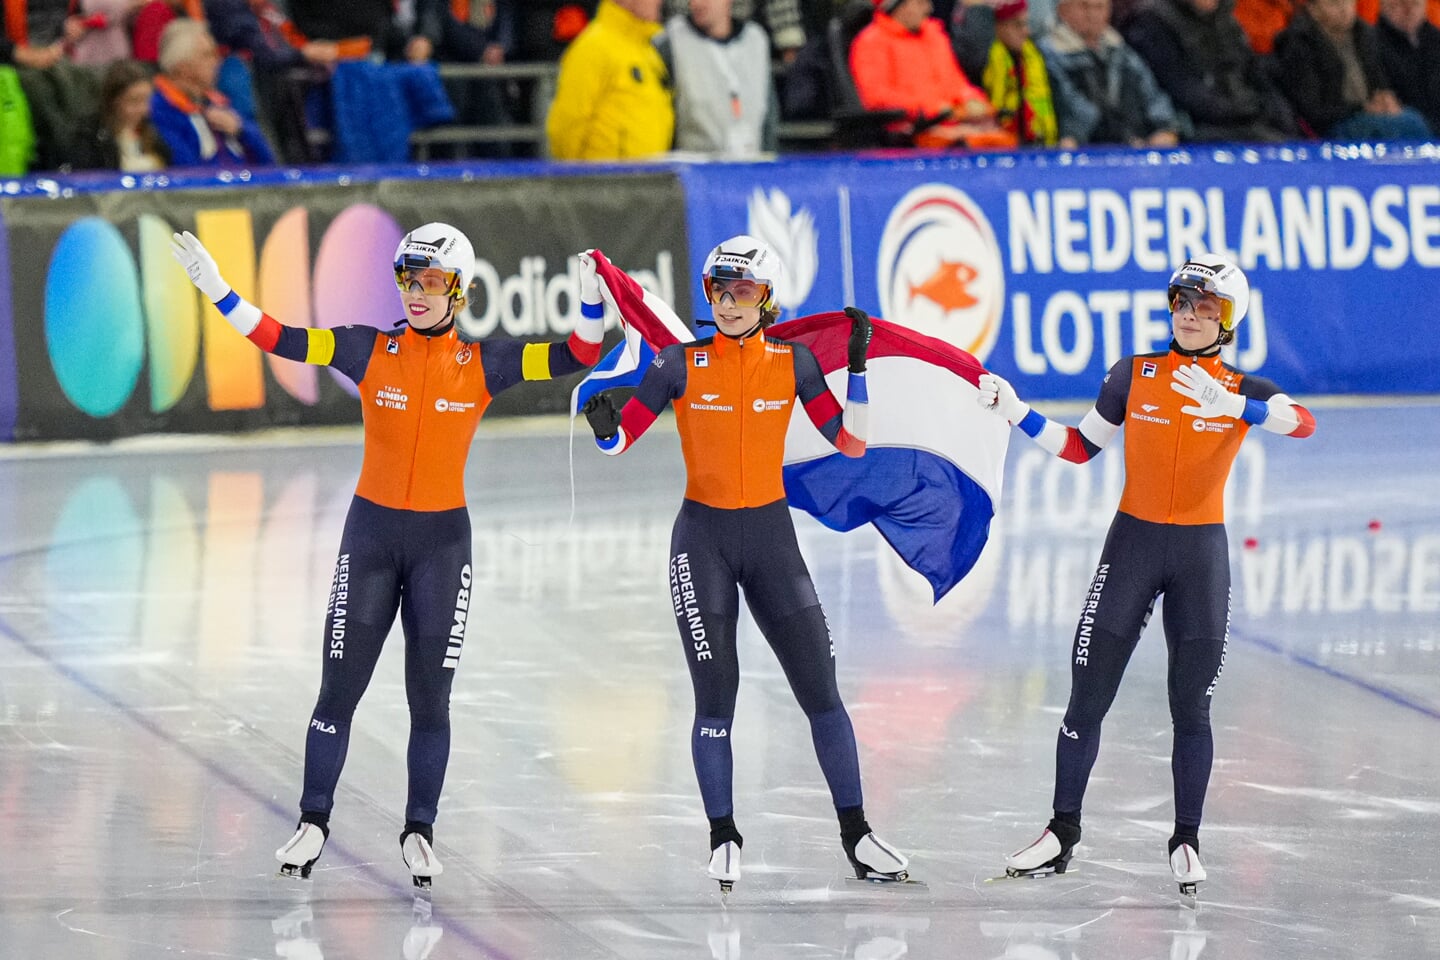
pixel 746 258
pixel 1219 277
pixel 441 246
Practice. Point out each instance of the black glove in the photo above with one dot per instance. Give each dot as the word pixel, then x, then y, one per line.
pixel 604 418
pixel 860 331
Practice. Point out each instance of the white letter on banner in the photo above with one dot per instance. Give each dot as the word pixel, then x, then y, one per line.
pixel 1397 251
pixel 1260 231
pixel 1344 204
pixel 1303 222
pixel 1030 233
pixel 1109 250
pixel 1215 210
pixel 1076 360
pixel 1068 230
pixel 1026 359
pixel 1109 304
pixel 1257 346
pixel 1146 228
pixel 1184 225
pixel 512 321
pixel 1149 332
pixel 565 285
pixel 488 279
pixel 1424 226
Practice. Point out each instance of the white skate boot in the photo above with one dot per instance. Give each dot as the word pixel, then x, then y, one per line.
pixel 302 850
pixel 1048 855
pixel 874 859
pixel 415 848
pixel 1185 865
pixel 725 865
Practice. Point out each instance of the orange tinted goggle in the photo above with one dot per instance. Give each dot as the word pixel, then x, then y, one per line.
pixel 1186 297
pixel 745 293
pixel 431 280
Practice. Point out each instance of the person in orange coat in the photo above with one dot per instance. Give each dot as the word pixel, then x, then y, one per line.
pixel 903 61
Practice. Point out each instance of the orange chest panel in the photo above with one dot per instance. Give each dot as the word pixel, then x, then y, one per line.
pixel 1176 465
pixel 733 417
pixel 421 399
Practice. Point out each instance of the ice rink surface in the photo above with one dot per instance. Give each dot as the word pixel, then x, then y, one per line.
pixel 161 604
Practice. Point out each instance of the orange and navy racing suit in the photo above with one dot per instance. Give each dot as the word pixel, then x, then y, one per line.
pixel 1167 538
pixel 733 400
pixel 406 543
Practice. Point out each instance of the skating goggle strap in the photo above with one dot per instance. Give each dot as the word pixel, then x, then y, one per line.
pixel 428 274
pixel 744 291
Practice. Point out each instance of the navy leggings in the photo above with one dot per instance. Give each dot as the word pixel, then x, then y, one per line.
pixel 1190 565
pixel 418 564
pixel 713 553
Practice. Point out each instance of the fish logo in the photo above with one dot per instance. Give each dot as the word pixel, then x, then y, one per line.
pixel 948 286
pixel 940 271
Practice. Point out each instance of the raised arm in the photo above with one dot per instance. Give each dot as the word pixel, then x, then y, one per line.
pixel 616 430
pixel 1076 444
pixel 347 349
pixel 508 362
pixel 847 429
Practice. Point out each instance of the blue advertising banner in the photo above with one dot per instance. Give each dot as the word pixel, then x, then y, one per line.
pixel 1049 267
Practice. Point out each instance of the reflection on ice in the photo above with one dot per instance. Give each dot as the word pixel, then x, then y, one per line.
pixel 159 653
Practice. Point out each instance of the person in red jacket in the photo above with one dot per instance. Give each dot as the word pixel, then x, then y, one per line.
pixel 406 545
pixel 734 394
pixel 1185 412
pixel 903 60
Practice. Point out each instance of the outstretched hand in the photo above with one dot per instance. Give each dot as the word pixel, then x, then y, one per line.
pixel 861 330
pixel 602 416
pixel 997 396
pixel 191 254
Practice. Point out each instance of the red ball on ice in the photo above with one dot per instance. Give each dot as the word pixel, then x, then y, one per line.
pixel 1373 525
pixel 1251 543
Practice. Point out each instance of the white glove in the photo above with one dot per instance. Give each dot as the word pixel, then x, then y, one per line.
pixel 192 255
pixel 998 396
pixel 589 282
pixel 1195 383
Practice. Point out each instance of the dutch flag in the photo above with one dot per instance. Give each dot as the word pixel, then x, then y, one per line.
pixel 930 477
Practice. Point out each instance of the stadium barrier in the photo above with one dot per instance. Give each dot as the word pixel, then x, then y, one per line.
pixel 1047 266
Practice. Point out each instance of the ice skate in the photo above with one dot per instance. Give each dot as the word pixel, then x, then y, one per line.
pixel 1049 855
pixel 1185 865
pixel 415 847
pixel 303 849
pixel 725 865
pixel 877 861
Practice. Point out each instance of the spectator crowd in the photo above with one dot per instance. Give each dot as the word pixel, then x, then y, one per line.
pixel 140 85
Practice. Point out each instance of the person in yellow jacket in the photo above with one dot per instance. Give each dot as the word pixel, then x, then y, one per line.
pixel 612 97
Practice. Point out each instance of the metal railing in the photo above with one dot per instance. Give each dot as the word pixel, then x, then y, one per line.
pixel 532 132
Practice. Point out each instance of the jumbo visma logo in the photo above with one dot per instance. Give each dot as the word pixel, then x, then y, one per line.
pixel 940 271
pixel 108 310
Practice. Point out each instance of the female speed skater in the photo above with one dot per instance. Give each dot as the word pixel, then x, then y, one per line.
pixel 1185 412
pixel 406 543
pixel 733 395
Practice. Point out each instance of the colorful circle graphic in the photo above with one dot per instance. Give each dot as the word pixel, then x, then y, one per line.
pixel 354 282
pixel 94 327
pixel 940 272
